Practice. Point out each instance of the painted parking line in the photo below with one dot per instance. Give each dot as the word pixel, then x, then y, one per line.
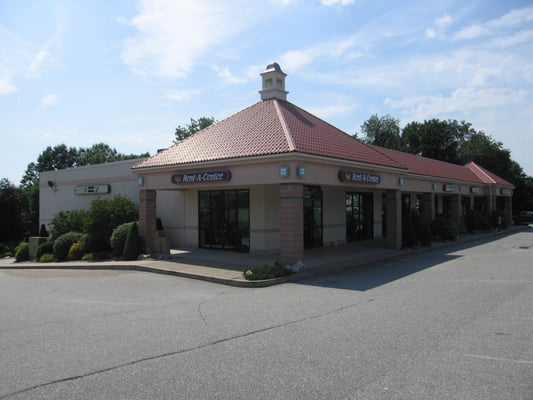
pixel 481 357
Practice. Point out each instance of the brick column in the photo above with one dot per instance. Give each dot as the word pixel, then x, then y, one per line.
pixel 428 207
pixel 394 219
pixel 291 223
pixel 508 204
pixel 147 217
pixel 457 210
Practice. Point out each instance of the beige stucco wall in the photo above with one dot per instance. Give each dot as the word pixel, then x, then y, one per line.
pixel 264 219
pixel 62 197
pixel 334 215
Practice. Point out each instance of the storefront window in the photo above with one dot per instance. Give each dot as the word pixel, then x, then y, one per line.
pixel 224 219
pixel 359 216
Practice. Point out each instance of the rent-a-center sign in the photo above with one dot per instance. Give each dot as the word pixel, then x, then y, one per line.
pixel 201 177
pixel 358 177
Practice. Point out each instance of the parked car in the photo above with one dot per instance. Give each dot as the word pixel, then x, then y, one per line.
pixel 524 218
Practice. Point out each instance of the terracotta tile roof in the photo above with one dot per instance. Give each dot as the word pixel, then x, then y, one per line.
pixel 264 128
pixel 486 176
pixel 429 167
pixel 471 172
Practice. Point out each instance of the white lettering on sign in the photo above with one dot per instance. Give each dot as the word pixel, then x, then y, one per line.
pixel 92 189
pixel 202 177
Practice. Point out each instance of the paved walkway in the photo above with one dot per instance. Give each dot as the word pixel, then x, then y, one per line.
pixel 227 267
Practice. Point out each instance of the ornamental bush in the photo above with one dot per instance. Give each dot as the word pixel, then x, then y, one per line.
pixel 444 229
pixel 22 252
pixel 63 243
pixel 46 258
pixel 133 245
pixel 76 251
pixel 104 216
pixel 68 221
pixel 118 238
pixel 265 272
pixel 45 248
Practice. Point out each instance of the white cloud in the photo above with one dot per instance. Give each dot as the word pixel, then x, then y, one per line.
pixel 294 60
pixel 49 100
pixel 462 101
pixel 6 86
pixel 174 35
pixel 225 74
pixel 181 95
pixel 38 60
pixel 443 21
pixel 332 110
pixel 336 2
pixel 511 20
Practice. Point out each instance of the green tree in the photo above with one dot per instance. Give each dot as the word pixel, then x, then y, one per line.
pixel 12 204
pixel 183 132
pixel 436 139
pixel 382 131
pixel 101 153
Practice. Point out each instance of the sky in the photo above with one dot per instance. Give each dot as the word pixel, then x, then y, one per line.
pixel 127 73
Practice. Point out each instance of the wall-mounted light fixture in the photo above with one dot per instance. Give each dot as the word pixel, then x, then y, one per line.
pixel 401 181
pixel 52 185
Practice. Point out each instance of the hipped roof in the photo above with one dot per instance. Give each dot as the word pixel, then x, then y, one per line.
pixel 274 127
pixel 268 127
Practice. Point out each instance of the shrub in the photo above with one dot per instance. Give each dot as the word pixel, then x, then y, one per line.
pixel 43 232
pixel 4 250
pixel 62 245
pixel 68 221
pixel 265 272
pixel 45 248
pixel 22 252
pixel 118 238
pixel 46 258
pixel 444 229
pixel 76 251
pixel 409 238
pixel 133 245
pixel 104 216
pixel 88 257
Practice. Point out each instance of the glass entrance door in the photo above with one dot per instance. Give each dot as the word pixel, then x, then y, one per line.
pixel 312 216
pixel 359 216
pixel 224 219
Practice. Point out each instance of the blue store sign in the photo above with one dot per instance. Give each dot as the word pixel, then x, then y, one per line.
pixel 201 177
pixel 358 177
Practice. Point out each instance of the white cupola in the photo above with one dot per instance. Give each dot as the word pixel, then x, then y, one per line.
pixel 273 83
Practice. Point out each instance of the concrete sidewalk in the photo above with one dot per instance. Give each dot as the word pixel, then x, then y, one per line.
pixel 227 267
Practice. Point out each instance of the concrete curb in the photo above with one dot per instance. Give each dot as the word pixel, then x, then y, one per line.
pixel 342 265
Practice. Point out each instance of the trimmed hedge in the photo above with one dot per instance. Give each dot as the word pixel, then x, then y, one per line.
pixel 22 252
pixel 133 245
pixel 63 243
pixel 266 272
pixel 119 237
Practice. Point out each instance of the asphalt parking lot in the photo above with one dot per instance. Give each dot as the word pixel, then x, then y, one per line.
pixel 452 323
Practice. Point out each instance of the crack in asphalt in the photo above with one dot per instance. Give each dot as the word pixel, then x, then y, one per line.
pixel 184 351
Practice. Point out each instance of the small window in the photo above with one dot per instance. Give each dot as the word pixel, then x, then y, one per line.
pixel 268 82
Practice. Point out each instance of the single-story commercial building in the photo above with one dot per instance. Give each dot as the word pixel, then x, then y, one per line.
pixel 273 178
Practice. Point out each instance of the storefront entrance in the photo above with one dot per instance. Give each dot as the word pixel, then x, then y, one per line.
pixel 359 216
pixel 224 219
pixel 312 216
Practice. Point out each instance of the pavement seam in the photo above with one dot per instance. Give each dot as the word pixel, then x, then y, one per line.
pixel 179 352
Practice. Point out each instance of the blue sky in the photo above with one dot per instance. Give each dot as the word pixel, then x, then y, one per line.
pixel 126 73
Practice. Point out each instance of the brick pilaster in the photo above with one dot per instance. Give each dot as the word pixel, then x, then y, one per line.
pixel 291 223
pixel 457 210
pixel 394 219
pixel 147 217
pixel 428 208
